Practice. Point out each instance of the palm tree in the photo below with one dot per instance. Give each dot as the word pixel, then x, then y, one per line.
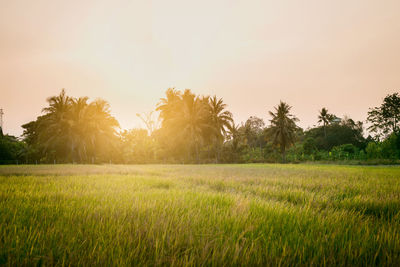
pixel 72 127
pixel 221 120
pixel 325 118
pixel 58 104
pixel 78 131
pixel 235 137
pixel 170 108
pixel 53 126
pixel 192 121
pixel 189 121
pixel 100 127
pixel 168 105
pixel 184 120
pixel 283 127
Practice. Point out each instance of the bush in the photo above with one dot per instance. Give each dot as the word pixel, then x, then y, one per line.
pixel 389 147
pixel 344 152
pixel 373 150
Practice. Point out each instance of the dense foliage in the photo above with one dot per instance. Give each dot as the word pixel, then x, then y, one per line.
pixel 385 119
pixel 72 130
pixel 199 129
pixel 12 150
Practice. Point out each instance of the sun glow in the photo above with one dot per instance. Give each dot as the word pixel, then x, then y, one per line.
pixel 261 51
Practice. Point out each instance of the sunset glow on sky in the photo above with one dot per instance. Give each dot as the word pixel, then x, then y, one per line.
pixel 343 55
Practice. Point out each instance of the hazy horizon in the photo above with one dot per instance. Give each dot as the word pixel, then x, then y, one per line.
pixel 341 55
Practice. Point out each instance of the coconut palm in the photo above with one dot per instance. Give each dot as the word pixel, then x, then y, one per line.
pixel 78 132
pixel 72 127
pixel 53 131
pixel 168 105
pixel 192 121
pixel 184 120
pixel 100 127
pixel 58 104
pixel 325 118
pixel 234 135
pixel 283 127
pixel 189 122
pixel 220 120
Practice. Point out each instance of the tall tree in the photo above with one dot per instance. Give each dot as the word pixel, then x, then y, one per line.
pixel 183 121
pixel 77 130
pixel 324 118
pixel 190 123
pixel 58 105
pixel 221 121
pixel 385 119
pixel 72 129
pixel 193 120
pixel 235 136
pixel 53 128
pixel 169 104
pixel 283 127
pixel 101 128
pixel 254 132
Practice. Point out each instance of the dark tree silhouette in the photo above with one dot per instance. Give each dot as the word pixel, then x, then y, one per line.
pixel 385 119
pixel 221 121
pixel 324 117
pixel 72 129
pixel 283 128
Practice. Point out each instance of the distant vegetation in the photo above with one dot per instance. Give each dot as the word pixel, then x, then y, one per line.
pixel 200 129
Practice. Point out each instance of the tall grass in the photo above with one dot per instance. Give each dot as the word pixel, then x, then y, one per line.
pixel 199 215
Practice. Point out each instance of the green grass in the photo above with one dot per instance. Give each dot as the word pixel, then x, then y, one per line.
pixel 199 215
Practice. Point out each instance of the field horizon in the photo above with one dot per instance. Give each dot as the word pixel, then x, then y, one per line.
pixel 230 214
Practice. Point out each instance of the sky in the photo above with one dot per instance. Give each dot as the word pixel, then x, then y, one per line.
pixel 343 55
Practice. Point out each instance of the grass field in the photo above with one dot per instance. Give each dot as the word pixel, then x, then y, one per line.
pixel 199 215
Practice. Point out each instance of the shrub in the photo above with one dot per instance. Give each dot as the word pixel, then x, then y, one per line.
pixel 374 150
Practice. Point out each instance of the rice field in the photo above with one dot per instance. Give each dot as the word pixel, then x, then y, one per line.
pixel 194 215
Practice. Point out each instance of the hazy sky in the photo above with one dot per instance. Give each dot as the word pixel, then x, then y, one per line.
pixel 343 55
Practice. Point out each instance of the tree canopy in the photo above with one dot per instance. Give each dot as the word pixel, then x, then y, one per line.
pixel 72 129
pixel 190 128
pixel 283 127
pixel 385 119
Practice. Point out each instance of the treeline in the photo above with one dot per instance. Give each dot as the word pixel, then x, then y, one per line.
pixel 199 129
